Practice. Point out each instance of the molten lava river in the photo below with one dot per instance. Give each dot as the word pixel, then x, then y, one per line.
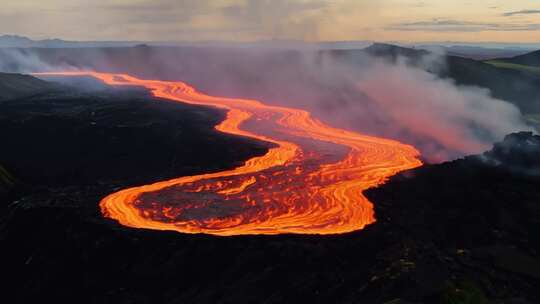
pixel 310 181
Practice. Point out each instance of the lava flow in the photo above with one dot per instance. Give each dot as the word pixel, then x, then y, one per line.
pixel 310 181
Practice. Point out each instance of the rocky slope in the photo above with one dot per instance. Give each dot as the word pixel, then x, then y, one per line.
pixel 471 220
pixel 17 86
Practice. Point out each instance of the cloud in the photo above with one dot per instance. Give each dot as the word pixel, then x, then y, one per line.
pixel 438 25
pixel 280 18
pixel 216 19
pixel 191 20
pixel 521 12
pixel 245 19
pixel 252 20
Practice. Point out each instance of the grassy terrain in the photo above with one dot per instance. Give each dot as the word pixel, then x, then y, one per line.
pixel 530 59
pixel 534 118
pixel 531 118
pixel 514 66
pixel 6 180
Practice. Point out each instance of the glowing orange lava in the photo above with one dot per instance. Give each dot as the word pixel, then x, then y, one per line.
pixel 310 182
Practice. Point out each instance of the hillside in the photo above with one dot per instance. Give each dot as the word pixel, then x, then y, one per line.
pixel 477 52
pixel 17 86
pixel 529 59
pixel 393 51
pixel 514 66
pixel 6 181
pixel 516 86
pixel 388 52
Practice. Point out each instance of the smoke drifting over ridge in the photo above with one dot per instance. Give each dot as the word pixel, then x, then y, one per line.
pixel 463 120
pixel 362 92
pixel 24 61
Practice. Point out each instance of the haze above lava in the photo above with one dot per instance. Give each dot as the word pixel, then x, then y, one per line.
pixel 358 90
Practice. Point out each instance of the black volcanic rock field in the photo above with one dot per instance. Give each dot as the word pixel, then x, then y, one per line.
pixel 80 137
pixel 14 86
pixel 465 231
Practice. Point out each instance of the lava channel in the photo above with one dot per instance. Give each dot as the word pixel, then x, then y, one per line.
pixel 309 182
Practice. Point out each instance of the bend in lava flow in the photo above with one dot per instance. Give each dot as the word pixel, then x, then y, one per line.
pixel 310 182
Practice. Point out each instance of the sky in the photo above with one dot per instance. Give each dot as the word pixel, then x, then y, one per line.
pixel 515 21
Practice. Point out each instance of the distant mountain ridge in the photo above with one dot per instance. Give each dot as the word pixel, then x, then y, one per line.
pixel 16 41
pixel 478 52
pixel 390 50
pixel 463 49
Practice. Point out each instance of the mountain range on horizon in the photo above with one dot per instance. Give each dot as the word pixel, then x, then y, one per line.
pixel 479 50
pixel 16 41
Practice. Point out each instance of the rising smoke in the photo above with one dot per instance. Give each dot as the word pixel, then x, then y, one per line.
pixel 460 119
pixel 394 99
pixel 22 61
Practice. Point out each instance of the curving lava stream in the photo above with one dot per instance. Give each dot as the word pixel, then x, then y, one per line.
pixel 310 181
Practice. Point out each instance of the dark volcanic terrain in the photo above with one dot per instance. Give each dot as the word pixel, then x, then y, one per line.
pixel 465 231
pixel 75 137
pixel 14 86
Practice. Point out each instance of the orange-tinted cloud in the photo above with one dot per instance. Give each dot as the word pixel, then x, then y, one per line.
pixel 247 20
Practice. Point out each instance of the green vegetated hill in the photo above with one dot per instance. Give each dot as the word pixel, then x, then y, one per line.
pixel 506 79
pixel 7 181
pixel 18 85
pixel 528 63
pixel 530 59
pixel 533 119
pixel 515 66
pixel 517 85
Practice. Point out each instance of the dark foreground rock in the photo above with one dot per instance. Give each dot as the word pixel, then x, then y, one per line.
pixel 460 232
pixel 474 219
pixel 18 86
